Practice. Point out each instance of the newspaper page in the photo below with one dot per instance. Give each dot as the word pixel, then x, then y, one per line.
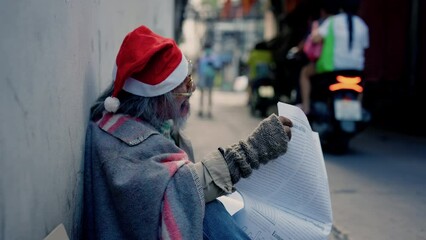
pixel 288 198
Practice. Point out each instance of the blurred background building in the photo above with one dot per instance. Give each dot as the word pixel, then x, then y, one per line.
pixel 395 61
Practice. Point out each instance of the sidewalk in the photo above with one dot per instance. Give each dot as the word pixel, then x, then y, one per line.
pixel 231 121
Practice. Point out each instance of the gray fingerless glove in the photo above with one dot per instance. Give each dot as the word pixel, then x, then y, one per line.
pixel 268 141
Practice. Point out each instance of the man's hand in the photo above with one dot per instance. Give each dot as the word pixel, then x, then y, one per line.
pixel 267 142
pixel 287 125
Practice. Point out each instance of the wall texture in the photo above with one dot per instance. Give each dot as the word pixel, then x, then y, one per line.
pixel 56 57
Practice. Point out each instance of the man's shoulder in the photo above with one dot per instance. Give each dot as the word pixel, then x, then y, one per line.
pixel 128 129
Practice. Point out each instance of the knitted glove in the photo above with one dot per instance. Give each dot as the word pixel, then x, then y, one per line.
pixel 267 142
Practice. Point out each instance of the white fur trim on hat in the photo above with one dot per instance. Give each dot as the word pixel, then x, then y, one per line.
pixel 139 88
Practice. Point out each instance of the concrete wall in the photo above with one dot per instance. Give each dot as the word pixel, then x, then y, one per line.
pixel 55 58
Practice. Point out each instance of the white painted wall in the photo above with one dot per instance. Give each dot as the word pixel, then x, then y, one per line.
pixel 55 58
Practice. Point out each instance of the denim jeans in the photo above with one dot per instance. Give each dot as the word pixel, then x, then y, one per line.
pixel 219 224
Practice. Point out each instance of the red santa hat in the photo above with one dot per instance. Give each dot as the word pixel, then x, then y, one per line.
pixel 147 65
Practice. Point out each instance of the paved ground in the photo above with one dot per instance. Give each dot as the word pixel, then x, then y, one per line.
pixel 377 191
pixel 231 121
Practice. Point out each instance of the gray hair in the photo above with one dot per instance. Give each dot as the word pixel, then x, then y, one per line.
pixel 155 110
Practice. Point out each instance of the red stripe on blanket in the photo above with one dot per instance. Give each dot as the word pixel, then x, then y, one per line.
pixel 104 120
pixel 175 157
pixel 172 167
pixel 169 221
pixel 175 161
pixel 118 123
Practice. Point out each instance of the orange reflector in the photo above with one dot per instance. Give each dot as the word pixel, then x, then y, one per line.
pixel 350 83
pixel 338 86
pixel 348 80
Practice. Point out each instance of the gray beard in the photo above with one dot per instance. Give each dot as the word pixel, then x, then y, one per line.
pixel 180 122
pixel 176 115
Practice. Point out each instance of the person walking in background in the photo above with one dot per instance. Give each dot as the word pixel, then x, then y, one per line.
pixel 207 67
pixel 327 8
pixel 351 39
pixel 141 180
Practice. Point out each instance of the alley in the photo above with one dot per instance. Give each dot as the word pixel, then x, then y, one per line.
pixel 377 190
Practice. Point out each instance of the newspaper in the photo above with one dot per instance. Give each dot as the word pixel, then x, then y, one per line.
pixel 288 198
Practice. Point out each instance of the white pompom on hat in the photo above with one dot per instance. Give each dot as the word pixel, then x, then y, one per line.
pixel 147 65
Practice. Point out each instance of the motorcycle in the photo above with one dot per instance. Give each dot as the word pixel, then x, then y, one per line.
pixel 262 96
pixel 267 90
pixel 337 112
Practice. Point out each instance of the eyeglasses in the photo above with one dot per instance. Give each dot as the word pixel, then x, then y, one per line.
pixel 189 86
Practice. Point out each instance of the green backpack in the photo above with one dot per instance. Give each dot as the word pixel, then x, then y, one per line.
pixel 325 62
